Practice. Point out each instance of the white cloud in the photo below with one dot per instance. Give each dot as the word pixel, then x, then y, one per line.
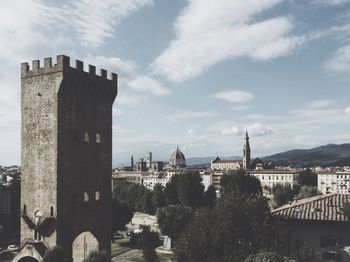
pixel 117 111
pixel 127 72
pixel 235 96
pixel 94 21
pixel 318 104
pixel 129 99
pixel 185 115
pixel 208 32
pixel 190 131
pixel 239 108
pixel 340 60
pixel 347 110
pixel 332 2
pixel 232 131
pixel 148 85
pixel 258 129
pixel 124 69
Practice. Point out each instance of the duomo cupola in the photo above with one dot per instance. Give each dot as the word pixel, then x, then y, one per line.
pixel 177 159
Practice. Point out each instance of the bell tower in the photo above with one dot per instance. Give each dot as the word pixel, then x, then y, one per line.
pixel 246 152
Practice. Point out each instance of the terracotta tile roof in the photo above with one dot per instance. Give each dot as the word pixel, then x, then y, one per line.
pixel 323 208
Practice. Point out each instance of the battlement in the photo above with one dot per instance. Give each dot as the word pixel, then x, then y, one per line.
pixel 62 64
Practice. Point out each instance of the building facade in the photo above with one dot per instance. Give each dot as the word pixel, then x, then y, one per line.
pixel 333 182
pixel 270 178
pixel 66 159
pixel 224 165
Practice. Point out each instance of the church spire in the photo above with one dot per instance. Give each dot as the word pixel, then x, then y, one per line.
pixel 246 152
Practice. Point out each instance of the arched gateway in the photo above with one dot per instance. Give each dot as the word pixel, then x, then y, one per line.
pixel 83 245
pixel 28 259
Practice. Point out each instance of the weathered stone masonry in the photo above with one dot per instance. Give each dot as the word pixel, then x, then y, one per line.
pixel 66 155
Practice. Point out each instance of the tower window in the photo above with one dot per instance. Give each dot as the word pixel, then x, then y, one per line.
pixel 51 211
pixel 86 197
pixel 86 137
pixel 24 209
pixel 37 216
pixel 98 138
pixel 97 195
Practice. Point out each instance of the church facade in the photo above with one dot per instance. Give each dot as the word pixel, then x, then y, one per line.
pixel 233 164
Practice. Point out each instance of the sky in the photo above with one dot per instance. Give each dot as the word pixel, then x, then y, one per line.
pixel 193 73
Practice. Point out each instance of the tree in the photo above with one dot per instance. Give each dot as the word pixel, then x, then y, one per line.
pixel 147 203
pixel 303 252
pixel 94 256
pixel 185 189
pixel 131 194
pixel 282 194
pixel 170 191
pixel 121 215
pixel 173 219
pixel 308 191
pixel 210 196
pixel 158 197
pixel 240 182
pixel 268 257
pixel 346 210
pixel 149 241
pixel 54 254
pixel 238 226
pixel 308 178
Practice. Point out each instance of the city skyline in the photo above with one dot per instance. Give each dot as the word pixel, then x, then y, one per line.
pixel 282 71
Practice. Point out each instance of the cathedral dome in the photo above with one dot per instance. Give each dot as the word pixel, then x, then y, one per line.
pixel 177 155
pixel 177 158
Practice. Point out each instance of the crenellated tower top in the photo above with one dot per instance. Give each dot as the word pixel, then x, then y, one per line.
pixel 62 64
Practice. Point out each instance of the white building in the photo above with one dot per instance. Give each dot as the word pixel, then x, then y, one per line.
pixel 272 177
pixel 151 180
pixel 207 179
pixel 333 182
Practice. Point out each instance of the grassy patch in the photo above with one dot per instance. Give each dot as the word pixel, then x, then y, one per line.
pixel 120 246
pixel 165 257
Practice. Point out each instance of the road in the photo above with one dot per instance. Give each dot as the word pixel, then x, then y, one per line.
pixel 131 255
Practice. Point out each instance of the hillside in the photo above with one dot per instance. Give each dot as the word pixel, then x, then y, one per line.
pixel 327 155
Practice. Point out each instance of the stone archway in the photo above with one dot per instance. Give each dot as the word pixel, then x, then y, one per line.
pixel 82 245
pixel 28 259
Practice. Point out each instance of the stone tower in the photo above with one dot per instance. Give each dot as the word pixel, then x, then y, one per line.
pixel 246 152
pixel 66 159
pixel 132 162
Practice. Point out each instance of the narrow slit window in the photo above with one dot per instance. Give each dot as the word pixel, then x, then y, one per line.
pixel 86 137
pixel 98 138
pixel 97 195
pixel 86 197
pixel 51 211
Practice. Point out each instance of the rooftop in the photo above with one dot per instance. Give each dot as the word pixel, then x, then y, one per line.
pixel 321 208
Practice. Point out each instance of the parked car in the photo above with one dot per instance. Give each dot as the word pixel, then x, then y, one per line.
pixel 117 236
pixel 138 231
pixel 12 248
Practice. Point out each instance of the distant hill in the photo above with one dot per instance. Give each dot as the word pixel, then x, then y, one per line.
pixel 327 155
